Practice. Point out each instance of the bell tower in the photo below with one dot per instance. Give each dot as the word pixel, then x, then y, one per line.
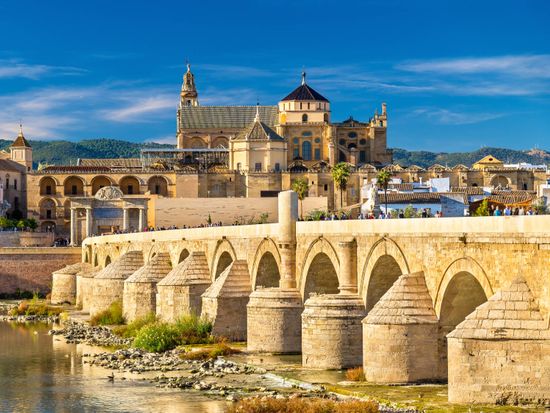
pixel 21 150
pixel 189 95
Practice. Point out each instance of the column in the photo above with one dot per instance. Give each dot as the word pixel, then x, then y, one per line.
pixel 288 215
pixel 74 242
pixel 348 266
pixel 125 218
pixel 89 231
pixel 142 219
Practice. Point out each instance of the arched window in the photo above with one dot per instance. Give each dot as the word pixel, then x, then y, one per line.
pixel 325 117
pixel 304 118
pixel 306 151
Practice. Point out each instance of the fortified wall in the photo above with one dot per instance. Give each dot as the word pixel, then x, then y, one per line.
pixel 413 300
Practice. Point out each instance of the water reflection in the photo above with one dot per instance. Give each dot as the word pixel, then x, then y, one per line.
pixel 41 373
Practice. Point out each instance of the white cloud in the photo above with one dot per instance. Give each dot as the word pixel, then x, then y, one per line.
pixel 12 68
pixel 141 109
pixel 448 117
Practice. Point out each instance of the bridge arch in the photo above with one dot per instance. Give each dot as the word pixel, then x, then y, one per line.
pixel 267 264
pixel 384 264
pixel 462 289
pixel 184 253
pixel 224 254
pixel 107 261
pixel 320 269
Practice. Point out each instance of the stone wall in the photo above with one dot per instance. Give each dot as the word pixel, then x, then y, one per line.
pixel 30 269
pixel 195 211
pixel 26 239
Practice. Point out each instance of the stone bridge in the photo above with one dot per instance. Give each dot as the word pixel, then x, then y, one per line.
pixel 379 293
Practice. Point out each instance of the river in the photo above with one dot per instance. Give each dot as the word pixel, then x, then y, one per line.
pixel 42 373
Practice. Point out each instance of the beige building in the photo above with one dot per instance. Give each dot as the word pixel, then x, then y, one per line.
pixel 13 168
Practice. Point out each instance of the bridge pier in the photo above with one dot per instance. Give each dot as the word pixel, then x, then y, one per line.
pixel 224 302
pixel 400 334
pixel 274 314
pixel 84 287
pixel 179 293
pixel 140 288
pixel 501 353
pixel 108 284
pixel 64 283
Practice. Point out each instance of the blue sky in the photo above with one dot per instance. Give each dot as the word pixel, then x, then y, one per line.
pixel 456 75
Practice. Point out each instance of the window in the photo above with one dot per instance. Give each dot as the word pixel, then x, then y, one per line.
pixel 325 117
pixel 300 105
pixel 74 190
pixel 48 189
pixel 362 156
pixel 304 118
pixel 342 142
pixel 157 189
pixel 326 187
pixel 15 184
pixel 238 166
pixel 317 140
pixel 16 203
pixel 49 214
pixel 352 135
pixel 277 167
pixel 308 105
pixel 296 153
pixel 317 154
pixel 7 183
pixel 258 166
pixel 295 141
pixel 363 142
pixel 307 134
pixel 306 150
pixel 130 189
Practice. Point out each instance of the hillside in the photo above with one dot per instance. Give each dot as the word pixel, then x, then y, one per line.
pixel 66 152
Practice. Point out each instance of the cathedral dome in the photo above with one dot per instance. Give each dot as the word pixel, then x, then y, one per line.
pixel 304 92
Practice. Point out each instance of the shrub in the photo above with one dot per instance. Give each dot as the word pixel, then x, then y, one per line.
pixel 220 349
pixel 194 330
pixel 133 328
pixel 110 316
pixel 302 405
pixel 36 308
pixel 157 337
pixel 356 374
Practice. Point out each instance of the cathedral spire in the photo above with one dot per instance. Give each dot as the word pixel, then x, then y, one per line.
pixel 189 95
pixel 257 117
pixel 303 77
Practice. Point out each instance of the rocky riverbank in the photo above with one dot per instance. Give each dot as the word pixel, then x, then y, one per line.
pixel 79 332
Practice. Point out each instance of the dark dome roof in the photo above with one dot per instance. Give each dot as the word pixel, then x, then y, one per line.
pixel 304 92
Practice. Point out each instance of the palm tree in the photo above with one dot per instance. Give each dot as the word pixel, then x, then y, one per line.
pixel 301 187
pixel 340 174
pixel 383 178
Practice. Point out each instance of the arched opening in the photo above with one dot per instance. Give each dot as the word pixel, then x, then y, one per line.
pixel 384 273
pixel 183 255
pixel 197 143
pixel 107 261
pixel 86 257
pixel 73 186
pixel 47 226
pixel 268 272
pixel 220 142
pixel 47 209
pixel 325 117
pixel 462 296
pixel 306 150
pixel 96 262
pixel 100 182
pixel 48 186
pixel 321 277
pixel 158 186
pixel 129 185
pixel 304 118
pixel 342 157
pixel 224 262
pixel 500 181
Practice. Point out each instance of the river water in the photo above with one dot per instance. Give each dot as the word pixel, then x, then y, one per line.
pixel 42 373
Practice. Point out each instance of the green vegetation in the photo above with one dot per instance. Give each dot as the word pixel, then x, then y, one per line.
pixel 340 174
pixel 20 224
pixel 301 187
pixel 156 336
pixel 382 180
pixel 483 209
pixel 302 405
pixel 35 307
pixel 110 316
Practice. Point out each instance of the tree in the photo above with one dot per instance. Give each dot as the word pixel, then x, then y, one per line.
pixel 301 187
pixel 340 175
pixel 382 180
pixel 483 209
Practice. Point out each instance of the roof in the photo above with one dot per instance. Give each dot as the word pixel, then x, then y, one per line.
pixel 193 270
pixel 154 271
pixel 406 186
pixel 74 269
pixel 469 190
pixel 225 117
pixel 410 197
pixel 8 165
pixel 123 267
pixel 305 92
pixel 69 168
pixel 113 163
pixel 234 281
pixel 20 141
pixel 258 131
pixel 406 302
pixel 511 314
